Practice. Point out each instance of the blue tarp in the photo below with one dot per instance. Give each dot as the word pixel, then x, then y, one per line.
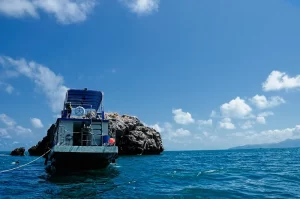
pixel 84 98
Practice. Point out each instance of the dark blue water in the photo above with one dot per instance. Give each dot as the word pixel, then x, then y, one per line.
pixel 265 173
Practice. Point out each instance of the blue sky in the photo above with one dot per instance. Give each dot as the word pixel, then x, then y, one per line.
pixel 206 74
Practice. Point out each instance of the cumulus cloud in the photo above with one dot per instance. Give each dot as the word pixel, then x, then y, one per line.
pixel 18 8
pixel 7 120
pixel 280 80
pixel 206 136
pixel 11 126
pixel 20 130
pixel 261 102
pixel 173 135
pixel 4 133
pixel 265 114
pixel 260 120
pixel 65 11
pixel 181 132
pixel 157 128
pixel 51 84
pixel 36 123
pixel 270 136
pixel 236 108
pixel 226 123
pixel 141 6
pixel 261 117
pixel 181 117
pixel 204 123
pixel 248 124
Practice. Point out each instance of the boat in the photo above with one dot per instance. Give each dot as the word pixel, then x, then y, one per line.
pixel 80 139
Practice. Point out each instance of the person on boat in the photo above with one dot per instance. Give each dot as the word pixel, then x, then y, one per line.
pixel 69 109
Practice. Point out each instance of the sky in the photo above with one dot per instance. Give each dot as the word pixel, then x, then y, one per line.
pixel 206 74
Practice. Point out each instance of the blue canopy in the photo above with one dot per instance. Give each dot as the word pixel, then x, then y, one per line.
pixel 85 98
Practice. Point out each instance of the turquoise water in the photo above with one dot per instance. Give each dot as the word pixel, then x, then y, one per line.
pixel 264 173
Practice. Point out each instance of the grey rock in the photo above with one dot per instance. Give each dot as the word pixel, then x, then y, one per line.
pixel 18 152
pixel 132 137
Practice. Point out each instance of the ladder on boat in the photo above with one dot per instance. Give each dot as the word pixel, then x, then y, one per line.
pixel 88 134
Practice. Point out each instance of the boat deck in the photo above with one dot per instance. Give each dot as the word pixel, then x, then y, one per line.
pixel 85 149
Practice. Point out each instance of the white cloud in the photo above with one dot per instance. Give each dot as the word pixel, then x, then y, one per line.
pixel 226 123
pixel 157 128
pixel 272 136
pixel 175 136
pixel 142 6
pixel 261 117
pixel 13 127
pixel 205 123
pixel 265 114
pixel 208 136
pixel 236 108
pixel 261 102
pixel 181 117
pixel 22 131
pixel 51 84
pixel 7 120
pixel 260 120
pixel 247 125
pixel 279 80
pixel 65 11
pixel 4 133
pixel 7 87
pixel 197 137
pixel 18 8
pixel 15 142
pixel 36 123
pixel 181 132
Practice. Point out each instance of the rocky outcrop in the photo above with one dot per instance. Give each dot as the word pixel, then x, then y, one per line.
pixel 44 145
pixel 18 152
pixel 132 137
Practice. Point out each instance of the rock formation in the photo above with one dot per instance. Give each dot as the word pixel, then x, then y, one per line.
pixel 132 137
pixel 18 152
pixel 42 146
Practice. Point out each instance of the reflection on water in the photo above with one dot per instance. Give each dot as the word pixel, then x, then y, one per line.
pixel 83 184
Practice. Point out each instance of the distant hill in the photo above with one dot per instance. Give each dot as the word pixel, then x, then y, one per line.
pixel 289 143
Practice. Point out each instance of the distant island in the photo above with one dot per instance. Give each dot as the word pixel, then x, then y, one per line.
pixel 289 143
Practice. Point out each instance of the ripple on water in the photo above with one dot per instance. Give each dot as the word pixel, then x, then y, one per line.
pixel 270 173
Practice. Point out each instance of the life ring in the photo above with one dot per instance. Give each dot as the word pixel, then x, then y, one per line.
pixel 79 111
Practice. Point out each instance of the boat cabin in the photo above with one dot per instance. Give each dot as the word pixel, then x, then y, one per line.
pixel 81 123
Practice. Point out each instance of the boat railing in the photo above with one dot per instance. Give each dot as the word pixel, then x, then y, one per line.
pixel 79 112
pixel 88 138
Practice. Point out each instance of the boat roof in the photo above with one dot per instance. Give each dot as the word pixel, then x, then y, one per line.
pixel 85 98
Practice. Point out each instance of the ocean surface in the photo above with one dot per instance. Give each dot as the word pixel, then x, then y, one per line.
pixel 257 173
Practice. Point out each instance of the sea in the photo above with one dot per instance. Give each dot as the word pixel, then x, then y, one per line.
pixel 253 173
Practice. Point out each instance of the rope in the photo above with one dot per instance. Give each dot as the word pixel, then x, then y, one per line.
pixel 25 164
